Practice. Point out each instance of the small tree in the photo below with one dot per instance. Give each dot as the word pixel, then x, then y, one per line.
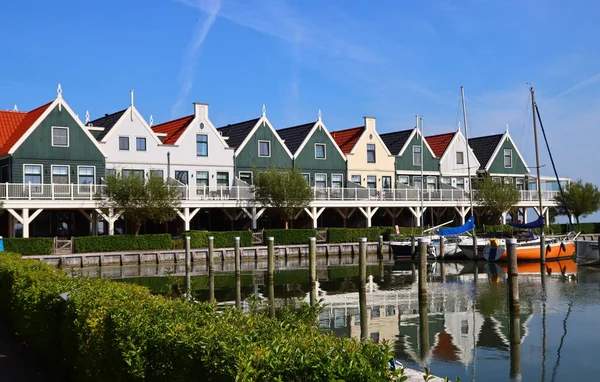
pixel 285 190
pixel 582 199
pixel 139 199
pixel 497 197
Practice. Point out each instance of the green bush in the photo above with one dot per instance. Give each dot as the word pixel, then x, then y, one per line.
pixel 289 236
pixel 90 244
pixel 351 235
pixel 30 246
pixel 115 331
pixel 223 239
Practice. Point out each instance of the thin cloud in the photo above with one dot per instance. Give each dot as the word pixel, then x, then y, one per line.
pixel 211 8
pixel 581 85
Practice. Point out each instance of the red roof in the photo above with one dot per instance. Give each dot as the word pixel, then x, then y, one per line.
pixel 14 124
pixel 173 129
pixel 346 139
pixel 439 143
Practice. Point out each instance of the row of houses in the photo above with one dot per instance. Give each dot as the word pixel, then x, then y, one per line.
pixel 51 145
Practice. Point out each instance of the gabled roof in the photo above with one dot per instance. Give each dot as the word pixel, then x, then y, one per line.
pixel 295 135
pixel 439 143
pixel 108 121
pixel 396 140
pixel 173 129
pixel 484 147
pixel 14 124
pixel 237 132
pixel 346 139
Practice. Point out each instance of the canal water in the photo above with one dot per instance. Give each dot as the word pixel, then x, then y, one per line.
pixel 465 329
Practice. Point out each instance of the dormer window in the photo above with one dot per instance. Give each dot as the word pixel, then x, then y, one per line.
pixel 60 136
pixel 264 148
pixel 370 153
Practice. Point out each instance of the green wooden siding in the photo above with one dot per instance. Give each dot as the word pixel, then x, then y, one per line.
pixel 37 149
pixel 333 163
pixel 4 170
pixel 497 166
pixel 248 158
pixel 405 162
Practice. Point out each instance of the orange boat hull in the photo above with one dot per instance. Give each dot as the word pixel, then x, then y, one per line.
pixel 532 253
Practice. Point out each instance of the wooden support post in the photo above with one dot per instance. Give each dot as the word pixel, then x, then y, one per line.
pixel 362 294
pixel 380 247
pixel 513 275
pixel 188 267
pixel 271 273
pixel 312 264
pixel 442 248
pixel 423 244
pixel 238 264
pixel 211 269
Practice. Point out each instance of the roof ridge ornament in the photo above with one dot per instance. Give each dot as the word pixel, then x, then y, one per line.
pixel 87 117
pixel 151 121
pixel 458 128
pixel 59 91
pixel 15 108
pixel 264 110
pixel 320 115
pixel 507 127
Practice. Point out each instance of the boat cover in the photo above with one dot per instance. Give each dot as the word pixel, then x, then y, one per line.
pixel 469 225
pixel 535 224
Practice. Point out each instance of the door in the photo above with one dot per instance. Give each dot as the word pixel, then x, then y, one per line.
pixel 64 227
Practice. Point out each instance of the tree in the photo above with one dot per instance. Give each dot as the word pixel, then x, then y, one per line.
pixel 139 199
pixel 582 199
pixel 285 190
pixel 497 197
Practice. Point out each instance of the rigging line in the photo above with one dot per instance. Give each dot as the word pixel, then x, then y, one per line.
pixel 523 128
pixel 562 194
pixel 562 340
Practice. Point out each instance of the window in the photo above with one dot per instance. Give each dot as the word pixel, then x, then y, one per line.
pixel 507 181
pixel 264 148
pixel 246 176
pixel 306 177
pixel 337 181
pixel 201 145
pixel 202 178
pixel 60 136
pixel 386 182
pixel 86 174
pixel 223 179
pixel 181 176
pixel 508 158
pixel 158 173
pixel 124 143
pixel 4 174
pixel 431 183
pixel 320 180
pixel 60 174
pixel 371 181
pixel 319 151
pixel 33 174
pixel 445 180
pixel 460 183
pixel 520 182
pixel 460 157
pixel 111 171
pixel 355 179
pixel 496 179
pixel 140 144
pixel 127 172
pixel 416 155
pixel 417 182
pixel 402 179
pixel 370 153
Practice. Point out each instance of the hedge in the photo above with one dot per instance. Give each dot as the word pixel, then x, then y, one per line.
pixel 115 331
pixel 351 235
pixel 223 239
pixel 289 236
pixel 30 246
pixel 87 244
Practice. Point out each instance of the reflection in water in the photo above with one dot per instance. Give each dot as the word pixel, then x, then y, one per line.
pixel 464 328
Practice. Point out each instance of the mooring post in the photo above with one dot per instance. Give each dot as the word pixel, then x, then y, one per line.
pixel 188 267
pixel 362 293
pixel 211 268
pixel 380 247
pixel 423 244
pixel 442 248
pixel 412 246
pixel 312 264
pixel 475 248
pixel 271 272
pixel 423 315
pixel 238 283
pixel 513 275
pixel 542 247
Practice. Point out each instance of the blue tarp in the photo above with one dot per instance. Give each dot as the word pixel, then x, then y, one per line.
pixel 1 244
pixel 469 225
pixel 535 224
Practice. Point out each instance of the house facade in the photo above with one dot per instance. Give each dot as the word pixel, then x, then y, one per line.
pixel 452 151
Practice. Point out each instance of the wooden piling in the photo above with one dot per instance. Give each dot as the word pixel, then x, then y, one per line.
pixel 423 315
pixel 271 273
pixel 423 244
pixel 238 281
pixel 442 248
pixel 380 247
pixel 514 329
pixel 475 247
pixel 188 267
pixel 412 246
pixel 362 293
pixel 312 264
pixel 211 268
pixel 513 275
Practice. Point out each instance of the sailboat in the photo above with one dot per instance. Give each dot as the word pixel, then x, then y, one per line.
pixel 557 247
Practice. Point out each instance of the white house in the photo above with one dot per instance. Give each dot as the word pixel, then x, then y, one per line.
pixel 454 164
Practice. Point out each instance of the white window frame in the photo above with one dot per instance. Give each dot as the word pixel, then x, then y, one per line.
pixel 341 180
pixel 128 143
pixel 420 155
pixel 246 172
pixel 496 179
pixel 145 144
pixel 154 170
pixel 316 175
pixel 508 151
pixel 324 151
pixel 85 185
pixel 520 183
pixel 35 190
pixel 383 183
pixel 508 180
pixel 459 182
pixel 200 155
pixel 374 152
pixel 414 183
pixel 306 174
pixel 435 183
pixel 207 178
pixel 68 140
pixel 445 180
pixel 367 181
pixel 67 192
pixel 407 182
pixel 359 179
pixel 462 157
pixel 269 143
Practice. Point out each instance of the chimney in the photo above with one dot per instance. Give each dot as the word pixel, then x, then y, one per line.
pixel 201 110
pixel 370 123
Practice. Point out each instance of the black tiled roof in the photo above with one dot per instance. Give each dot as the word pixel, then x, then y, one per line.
pixel 108 121
pixel 483 147
pixel 396 140
pixel 295 135
pixel 237 132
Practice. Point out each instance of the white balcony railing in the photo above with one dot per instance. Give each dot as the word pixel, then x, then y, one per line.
pixel 64 192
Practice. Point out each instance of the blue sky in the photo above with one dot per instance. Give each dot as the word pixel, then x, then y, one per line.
pixel 388 59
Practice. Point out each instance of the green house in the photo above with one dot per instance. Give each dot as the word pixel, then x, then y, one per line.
pixel 257 146
pixel 316 154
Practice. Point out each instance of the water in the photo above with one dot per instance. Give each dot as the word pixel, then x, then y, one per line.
pixel 464 331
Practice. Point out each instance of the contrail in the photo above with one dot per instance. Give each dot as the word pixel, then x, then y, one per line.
pixel 191 54
pixel 580 85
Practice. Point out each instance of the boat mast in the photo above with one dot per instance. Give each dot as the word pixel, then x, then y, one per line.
pixel 464 107
pixel 539 180
pixel 422 178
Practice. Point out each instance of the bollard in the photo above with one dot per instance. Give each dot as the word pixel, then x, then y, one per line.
pixel 238 282
pixel 542 247
pixel 475 248
pixel 380 247
pixel 442 248
pixel 211 268
pixel 188 267
pixel 312 265
pixel 513 275
pixel 412 246
pixel 423 244
pixel 271 272
pixel 362 292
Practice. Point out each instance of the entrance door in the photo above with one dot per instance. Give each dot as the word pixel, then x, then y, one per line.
pixel 64 226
